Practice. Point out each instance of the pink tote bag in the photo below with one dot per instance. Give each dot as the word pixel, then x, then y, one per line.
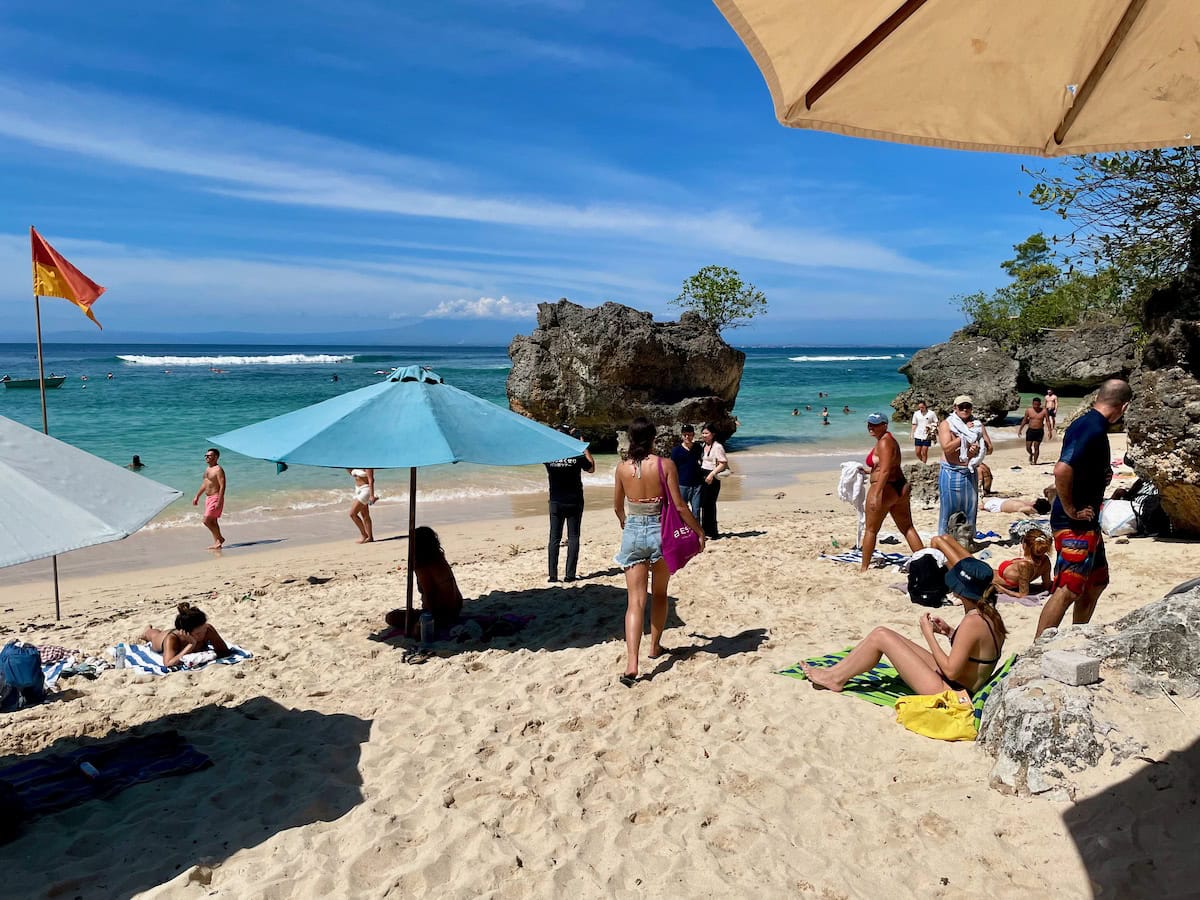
pixel 679 542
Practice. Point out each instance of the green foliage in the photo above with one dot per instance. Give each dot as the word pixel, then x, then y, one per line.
pixel 719 295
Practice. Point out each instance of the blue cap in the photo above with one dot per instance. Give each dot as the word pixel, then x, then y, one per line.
pixel 969 578
pixel 876 419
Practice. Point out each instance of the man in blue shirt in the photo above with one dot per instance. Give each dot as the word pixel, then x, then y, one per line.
pixel 1081 474
pixel 686 457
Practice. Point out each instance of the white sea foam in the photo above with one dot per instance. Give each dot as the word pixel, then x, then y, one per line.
pixel 838 358
pixel 283 359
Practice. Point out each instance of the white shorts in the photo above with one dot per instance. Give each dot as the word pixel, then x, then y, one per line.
pixel 362 493
pixel 991 504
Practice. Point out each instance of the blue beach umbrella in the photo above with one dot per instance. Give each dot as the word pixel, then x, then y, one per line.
pixel 410 419
pixel 55 498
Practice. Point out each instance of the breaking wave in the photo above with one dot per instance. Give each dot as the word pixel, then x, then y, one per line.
pixel 283 359
pixel 842 358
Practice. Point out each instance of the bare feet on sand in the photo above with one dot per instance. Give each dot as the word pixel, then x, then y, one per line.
pixel 821 678
pixel 217 545
pixel 365 540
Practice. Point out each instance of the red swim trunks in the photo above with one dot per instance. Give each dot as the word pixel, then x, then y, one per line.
pixel 1082 562
pixel 214 505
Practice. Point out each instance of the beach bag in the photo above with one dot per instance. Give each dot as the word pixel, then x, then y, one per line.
pixel 1118 518
pixel 679 542
pixel 727 471
pixel 927 581
pixel 944 716
pixel 21 680
pixel 1148 511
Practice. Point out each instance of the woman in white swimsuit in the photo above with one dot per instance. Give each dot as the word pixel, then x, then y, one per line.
pixel 364 496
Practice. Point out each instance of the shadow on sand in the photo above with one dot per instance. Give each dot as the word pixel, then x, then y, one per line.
pixel 1138 838
pixel 720 645
pixel 273 769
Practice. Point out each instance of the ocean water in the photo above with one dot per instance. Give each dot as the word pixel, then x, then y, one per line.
pixel 164 403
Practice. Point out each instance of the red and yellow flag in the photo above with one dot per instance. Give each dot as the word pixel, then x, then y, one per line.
pixel 53 276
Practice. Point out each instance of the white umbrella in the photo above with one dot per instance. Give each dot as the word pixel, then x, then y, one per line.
pixel 1043 77
pixel 55 497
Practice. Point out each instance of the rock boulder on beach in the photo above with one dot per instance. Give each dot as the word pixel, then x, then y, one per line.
pixel 965 364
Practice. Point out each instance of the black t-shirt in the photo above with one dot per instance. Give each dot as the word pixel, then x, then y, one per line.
pixel 566 479
pixel 1085 449
pixel 688 464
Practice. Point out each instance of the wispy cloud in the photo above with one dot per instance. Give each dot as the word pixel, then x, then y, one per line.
pixel 483 308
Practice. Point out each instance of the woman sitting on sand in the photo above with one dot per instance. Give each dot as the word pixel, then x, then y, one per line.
pixel 435 580
pixel 360 508
pixel 1015 577
pixel 191 634
pixel 643 482
pixel 975 645
pixel 889 491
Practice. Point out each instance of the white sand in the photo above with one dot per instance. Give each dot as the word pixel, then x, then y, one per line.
pixel 522 768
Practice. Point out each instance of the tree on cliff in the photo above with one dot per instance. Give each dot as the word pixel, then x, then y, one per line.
pixel 719 295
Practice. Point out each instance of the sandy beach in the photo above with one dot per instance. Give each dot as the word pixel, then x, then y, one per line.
pixel 519 767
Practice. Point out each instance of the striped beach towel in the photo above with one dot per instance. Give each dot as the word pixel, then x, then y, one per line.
pixel 141 657
pixel 878 558
pixel 883 685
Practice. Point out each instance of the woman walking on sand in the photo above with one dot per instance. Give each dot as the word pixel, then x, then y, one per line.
pixel 889 491
pixel 360 508
pixel 643 483
pixel 712 463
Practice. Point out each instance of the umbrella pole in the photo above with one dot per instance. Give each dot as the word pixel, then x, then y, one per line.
pixel 412 528
pixel 37 314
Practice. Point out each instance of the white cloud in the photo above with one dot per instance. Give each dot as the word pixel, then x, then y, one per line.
pixel 483 308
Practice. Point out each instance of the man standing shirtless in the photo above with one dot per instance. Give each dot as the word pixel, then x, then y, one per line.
pixel 212 485
pixel 1051 412
pixel 1035 418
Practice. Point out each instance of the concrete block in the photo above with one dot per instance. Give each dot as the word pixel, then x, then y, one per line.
pixel 1070 667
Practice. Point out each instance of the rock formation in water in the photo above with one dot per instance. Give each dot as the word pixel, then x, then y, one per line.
pixel 598 368
pixel 965 364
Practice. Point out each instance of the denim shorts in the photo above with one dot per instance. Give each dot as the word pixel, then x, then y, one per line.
pixel 641 541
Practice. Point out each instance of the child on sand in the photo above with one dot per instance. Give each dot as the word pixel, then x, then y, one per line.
pixel 435 580
pixel 191 634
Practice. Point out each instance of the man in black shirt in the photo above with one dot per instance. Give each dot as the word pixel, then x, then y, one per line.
pixel 1081 474
pixel 686 457
pixel 566 506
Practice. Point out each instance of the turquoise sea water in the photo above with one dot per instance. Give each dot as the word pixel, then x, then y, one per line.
pixel 164 402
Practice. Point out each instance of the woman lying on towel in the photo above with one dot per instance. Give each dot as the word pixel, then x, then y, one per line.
pixel 435 580
pixel 191 634
pixel 1015 577
pixel 975 645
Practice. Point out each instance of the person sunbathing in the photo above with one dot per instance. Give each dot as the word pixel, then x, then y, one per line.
pixel 435 580
pixel 975 645
pixel 1015 577
pixel 191 634
pixel 1018 505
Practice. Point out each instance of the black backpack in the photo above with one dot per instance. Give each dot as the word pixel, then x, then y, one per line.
pixel 927 581
pixel 1147 509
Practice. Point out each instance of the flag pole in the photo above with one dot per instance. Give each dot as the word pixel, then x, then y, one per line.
pixel 37 313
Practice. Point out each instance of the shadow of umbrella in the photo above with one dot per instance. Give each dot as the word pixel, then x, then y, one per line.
pixel 273 769
pixel 410 419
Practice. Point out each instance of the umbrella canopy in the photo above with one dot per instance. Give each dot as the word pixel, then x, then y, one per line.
pixel 1024 76
pixel 56 497
pixel 410 419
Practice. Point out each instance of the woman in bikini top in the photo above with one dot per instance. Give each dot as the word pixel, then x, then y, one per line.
pixel 888 492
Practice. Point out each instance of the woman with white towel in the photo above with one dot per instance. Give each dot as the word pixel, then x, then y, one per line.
pixel 965 442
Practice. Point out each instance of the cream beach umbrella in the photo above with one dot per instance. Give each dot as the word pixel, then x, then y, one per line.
pixel 1040 77
pixel 55 498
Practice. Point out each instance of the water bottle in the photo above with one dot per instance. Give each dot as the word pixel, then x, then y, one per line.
pixel 119 657
pixel 89 770
pixel 426 628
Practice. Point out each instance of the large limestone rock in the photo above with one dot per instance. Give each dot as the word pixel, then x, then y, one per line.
pixel 1043 732
pixel 965 364
pixel 1163 421
pixel 599 368
pixel 1076 360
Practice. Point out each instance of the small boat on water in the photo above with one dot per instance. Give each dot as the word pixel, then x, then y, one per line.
pixel 52 382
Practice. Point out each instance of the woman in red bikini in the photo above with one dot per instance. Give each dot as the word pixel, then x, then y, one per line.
pixel 1015 577
pixel 889 491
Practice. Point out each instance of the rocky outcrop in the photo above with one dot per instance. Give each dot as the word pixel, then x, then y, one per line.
pixel 1042 731
pixel 1076 360
pixel 1163 421
pixel 598 368
pixel 965 364
pixel 924 480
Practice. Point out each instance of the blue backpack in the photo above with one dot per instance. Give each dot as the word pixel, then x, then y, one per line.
pixel 21 681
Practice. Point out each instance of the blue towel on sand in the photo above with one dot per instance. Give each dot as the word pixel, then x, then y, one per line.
pixel 140 656
pixel 51 783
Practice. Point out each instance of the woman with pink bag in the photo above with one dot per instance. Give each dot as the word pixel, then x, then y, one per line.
pixel 644 484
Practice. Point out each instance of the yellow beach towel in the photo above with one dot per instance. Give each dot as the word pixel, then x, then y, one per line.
pixel 943 716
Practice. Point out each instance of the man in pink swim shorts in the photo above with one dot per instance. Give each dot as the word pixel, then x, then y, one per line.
pixel 212 485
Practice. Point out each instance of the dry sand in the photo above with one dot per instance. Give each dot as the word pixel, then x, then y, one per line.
pixel 522 768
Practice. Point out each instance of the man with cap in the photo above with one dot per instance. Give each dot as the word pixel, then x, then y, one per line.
pixel 975 645
pixel 1081 475
pixel 964 441
pixel 686 456
pixel 566 506
pixel 889 490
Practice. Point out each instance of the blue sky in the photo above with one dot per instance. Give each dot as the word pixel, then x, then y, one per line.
pixel 436 170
